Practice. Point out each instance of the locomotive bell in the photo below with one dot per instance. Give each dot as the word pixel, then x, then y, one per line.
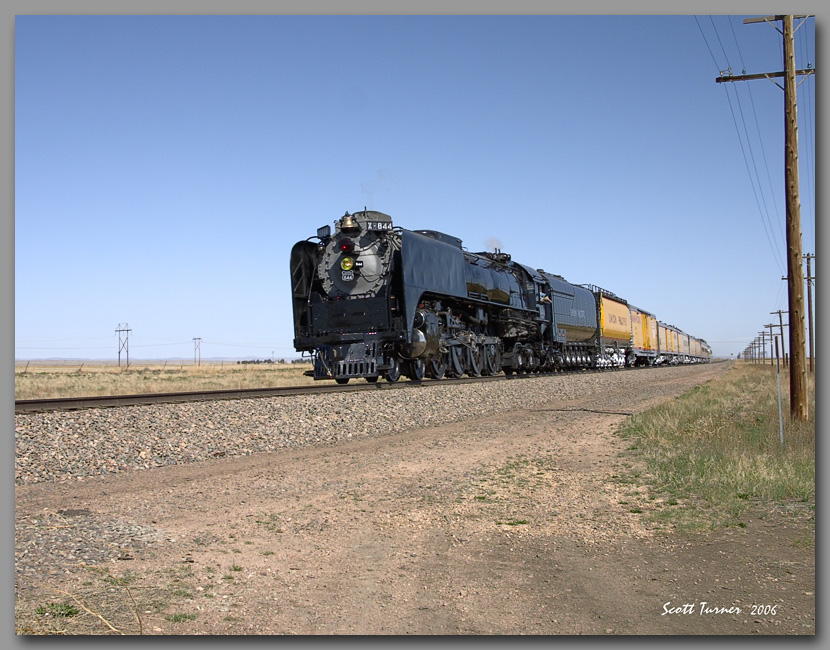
pixel 348 223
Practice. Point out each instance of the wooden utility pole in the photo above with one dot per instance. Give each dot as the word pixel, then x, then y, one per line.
pixel 763 335
pixel 781 325
pixel 771 343
pixel 795 282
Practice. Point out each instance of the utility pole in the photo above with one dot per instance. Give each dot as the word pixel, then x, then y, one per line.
pixel 781 324
pixel 795 283
pixel 197 352
pixel 810 278
pixel 763 335
pixel 771 343
pixel 123 332
pixel 778 381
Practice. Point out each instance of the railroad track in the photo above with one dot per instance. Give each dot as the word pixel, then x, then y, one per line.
pixel 108 401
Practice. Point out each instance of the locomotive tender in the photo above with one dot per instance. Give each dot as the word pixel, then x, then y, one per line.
pixel 375 300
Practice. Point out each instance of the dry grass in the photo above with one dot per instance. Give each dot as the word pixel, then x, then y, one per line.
pixel 716 450
pixel 86 380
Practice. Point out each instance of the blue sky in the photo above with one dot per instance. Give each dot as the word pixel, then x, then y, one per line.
pixel 165 165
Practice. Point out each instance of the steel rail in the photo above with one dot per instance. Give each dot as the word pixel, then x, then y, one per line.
pixel 108 401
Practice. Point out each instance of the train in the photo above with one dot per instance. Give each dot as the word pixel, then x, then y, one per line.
pixel 373 300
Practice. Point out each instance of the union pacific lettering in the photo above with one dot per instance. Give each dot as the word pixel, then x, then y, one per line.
pixel 613 318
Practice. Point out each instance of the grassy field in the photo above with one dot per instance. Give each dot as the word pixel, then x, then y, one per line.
pixel 36 381
pixel 715 452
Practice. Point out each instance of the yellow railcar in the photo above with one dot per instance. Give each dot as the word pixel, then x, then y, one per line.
pixel 667 340
pixel 643 335
pixel 615 319
pixel 685 348
pixel 695 347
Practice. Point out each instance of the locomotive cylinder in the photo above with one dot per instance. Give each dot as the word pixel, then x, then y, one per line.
pixel 426 336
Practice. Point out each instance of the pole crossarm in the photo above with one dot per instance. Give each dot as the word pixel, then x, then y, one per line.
pixel 762 75
pixel 768 19
pixel 770 75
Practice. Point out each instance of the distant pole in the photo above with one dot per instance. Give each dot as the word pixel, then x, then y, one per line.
pixel 763 335
pixel 810 278
pixel 197 352
pixel 772 341
pixel 778 379
pixel 123 332
pixel 781 325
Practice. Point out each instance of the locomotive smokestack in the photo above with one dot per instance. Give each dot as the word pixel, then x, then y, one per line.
pixel 493 243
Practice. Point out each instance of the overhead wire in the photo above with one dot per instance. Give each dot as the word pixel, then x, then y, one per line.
pixel 778 244
pixel 769 229
pixel 765 220
pixel 752 178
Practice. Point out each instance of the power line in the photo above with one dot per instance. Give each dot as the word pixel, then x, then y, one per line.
pixel 763 210
pixel 760 142
pixel 752 179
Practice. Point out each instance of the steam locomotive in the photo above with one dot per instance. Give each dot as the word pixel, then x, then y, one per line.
pixel 375 300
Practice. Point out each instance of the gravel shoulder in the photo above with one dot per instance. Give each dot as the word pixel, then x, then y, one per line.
pixel 446 511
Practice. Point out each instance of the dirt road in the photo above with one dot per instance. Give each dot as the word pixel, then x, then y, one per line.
pixel 509 524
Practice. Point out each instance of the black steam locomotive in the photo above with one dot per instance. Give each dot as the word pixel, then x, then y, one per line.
pixel 374 300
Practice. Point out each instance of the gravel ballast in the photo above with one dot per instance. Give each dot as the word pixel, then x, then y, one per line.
pixel 73 445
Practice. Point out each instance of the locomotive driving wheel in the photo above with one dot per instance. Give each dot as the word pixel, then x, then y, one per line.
pixel 472 358
pixel 436 367
pixel 491 359
pixel 415 369
pixel 455 365
pixel 394 373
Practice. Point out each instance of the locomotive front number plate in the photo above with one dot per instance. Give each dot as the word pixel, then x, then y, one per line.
pixel 378 225
pixel 347 276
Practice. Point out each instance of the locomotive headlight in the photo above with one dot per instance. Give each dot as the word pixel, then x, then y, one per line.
pixel 347 264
